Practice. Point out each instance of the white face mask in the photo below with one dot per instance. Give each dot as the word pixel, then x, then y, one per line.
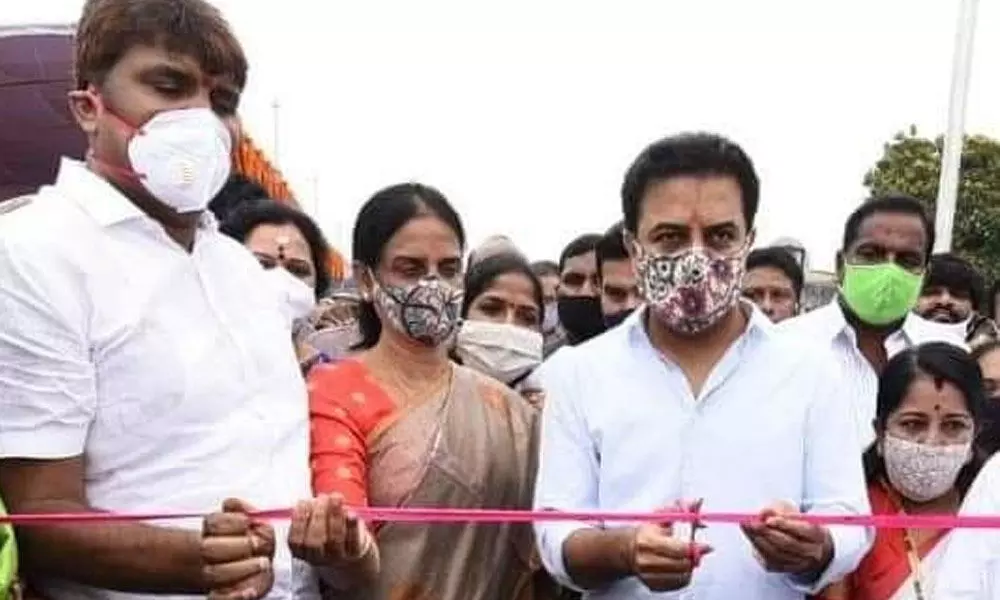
pixel 922 472
pixel 502 351
pixel 182 157
pixel 297 299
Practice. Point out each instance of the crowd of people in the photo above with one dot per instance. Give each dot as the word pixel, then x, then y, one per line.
pixel 174 342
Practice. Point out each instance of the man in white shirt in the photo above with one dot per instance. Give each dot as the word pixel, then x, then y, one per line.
pixel 970 567
pixel 695 397
pixel 143 365
pixel 887 243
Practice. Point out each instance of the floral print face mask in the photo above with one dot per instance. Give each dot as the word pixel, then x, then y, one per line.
pixel 426 311
pixel 690 291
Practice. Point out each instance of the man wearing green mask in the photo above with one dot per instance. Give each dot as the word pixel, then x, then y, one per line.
pixel 880 270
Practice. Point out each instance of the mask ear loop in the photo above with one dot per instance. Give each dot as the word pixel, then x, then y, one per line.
pixel 125 172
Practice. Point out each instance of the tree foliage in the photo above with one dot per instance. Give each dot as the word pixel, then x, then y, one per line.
pixel 911 164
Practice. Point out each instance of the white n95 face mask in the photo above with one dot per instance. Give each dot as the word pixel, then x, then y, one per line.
pixel 182 157
pixel 296 299
pixel 502 351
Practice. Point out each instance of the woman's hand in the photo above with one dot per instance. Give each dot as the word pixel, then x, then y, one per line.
pixel 325 534
pixel 237 553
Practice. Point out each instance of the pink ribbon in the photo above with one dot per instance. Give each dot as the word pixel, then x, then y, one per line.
pixel 478 515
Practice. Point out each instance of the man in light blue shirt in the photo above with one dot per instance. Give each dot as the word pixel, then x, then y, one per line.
pixel 695 397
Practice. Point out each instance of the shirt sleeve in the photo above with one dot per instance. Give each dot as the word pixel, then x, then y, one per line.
pixel 48 395
pixel 834 479
pixel 568 468
pixel 970 566
pixel 338 446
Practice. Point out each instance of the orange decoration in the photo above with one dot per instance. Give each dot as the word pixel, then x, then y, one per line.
pixel 249 161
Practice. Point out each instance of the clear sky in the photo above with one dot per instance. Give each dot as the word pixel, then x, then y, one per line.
pixel 525 113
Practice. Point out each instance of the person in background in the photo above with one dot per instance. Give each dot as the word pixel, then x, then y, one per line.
pixel 579 290
pixel 880 270
pixel 501 335
pixel 988 357
pixel 930 407
pixel 281 236
pixel 552 332
pixel 291 248
pixel 491 246
pixel 970 567
pixel 619 292
pixel 237 191
pixel 400 424
pixel 773 282
pixel 952 295
pixel 696 397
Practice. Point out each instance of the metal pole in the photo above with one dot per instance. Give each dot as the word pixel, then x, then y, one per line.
pixel 276 106
pixel 951 157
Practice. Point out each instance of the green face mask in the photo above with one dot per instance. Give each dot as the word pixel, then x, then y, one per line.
pixel 8 557
pixel 880 294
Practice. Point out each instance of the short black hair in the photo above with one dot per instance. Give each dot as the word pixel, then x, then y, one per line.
pixel 689 154
pixel 953 272
pixel 545 268
pixel 778 258
pixel 892 203
pixel 250 215
pixel 611 246
pixel 579 246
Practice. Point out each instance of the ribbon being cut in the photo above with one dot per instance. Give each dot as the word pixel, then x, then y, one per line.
pixel 457 515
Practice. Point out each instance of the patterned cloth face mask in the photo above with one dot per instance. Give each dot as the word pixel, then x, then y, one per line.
pixel 690 291
pixel 426 311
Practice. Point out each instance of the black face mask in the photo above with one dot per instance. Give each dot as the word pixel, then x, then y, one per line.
pixel 615 319
pixel 581 317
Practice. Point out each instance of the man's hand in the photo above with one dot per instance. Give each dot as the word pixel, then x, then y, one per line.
pixel 237 553
pixel 324 534
pixel 785 544
pixel 661 561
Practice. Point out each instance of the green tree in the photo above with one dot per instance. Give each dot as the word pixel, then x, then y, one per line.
pixel 911 164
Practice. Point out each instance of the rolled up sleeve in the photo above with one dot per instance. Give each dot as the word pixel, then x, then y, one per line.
pixel 47 381
pixel 568 468
pixel 834 479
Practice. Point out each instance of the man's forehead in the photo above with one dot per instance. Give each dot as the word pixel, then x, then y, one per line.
pixel 890 226
pixel 151 58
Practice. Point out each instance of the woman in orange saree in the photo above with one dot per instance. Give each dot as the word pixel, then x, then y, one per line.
pixel 399 424
pixel 930 407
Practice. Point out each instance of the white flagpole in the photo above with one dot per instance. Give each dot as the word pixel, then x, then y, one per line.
pixel 276 107
pixel 951 157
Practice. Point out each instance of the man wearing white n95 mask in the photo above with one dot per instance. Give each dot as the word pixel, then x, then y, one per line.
pixel 695 400
pixel 143 370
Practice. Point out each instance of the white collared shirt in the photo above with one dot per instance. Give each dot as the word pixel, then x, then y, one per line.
pixel 171 373
pixel 622 431
pixel 827 328
pixel 970 567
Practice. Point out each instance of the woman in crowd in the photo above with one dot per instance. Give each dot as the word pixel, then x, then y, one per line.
pixel 929 410
pixel 400 424
pixel 988 357
pixel 502 322
pixel 281 236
